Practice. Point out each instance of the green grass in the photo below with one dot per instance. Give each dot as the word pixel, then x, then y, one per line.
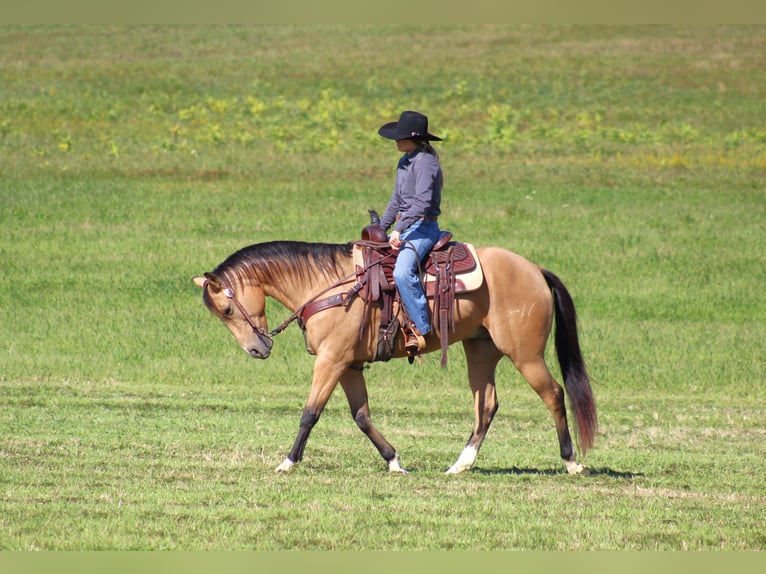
pixel 628 160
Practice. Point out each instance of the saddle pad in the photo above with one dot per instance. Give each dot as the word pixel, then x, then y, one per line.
pixel 465 281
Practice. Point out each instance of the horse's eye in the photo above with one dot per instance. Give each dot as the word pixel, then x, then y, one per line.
pixel 228 312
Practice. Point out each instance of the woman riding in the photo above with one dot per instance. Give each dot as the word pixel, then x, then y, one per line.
pixel 413 210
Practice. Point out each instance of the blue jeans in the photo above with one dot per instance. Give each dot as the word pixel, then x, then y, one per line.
pixel 418 240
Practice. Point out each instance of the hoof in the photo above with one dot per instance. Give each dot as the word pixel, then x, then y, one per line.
pixel 457 469
pixel 464 461
pixel 286 466
pixel 394 466
pixel 574 467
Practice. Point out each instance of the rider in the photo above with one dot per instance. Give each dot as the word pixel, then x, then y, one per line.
pixel 413 211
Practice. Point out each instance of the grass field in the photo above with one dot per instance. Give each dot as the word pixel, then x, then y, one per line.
pixel 631 161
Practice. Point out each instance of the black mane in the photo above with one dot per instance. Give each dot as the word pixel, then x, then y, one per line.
pixel 266 262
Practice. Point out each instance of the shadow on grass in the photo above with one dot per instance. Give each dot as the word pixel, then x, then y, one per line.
pixel 553 472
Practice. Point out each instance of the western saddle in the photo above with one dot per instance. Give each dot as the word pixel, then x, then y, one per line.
pixel 451 267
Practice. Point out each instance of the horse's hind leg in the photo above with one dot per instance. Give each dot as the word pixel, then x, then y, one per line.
pixel 352 382
pixel 482 357
pixel 539 377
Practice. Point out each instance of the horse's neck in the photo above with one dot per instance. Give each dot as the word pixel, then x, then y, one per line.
pixel 290 299
pixel 292 292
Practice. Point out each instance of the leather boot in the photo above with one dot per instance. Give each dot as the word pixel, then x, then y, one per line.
pixel 415 341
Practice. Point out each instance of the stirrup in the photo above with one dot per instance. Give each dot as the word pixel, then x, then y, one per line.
pixel 415 342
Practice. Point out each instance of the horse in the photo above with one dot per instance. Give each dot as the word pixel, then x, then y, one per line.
pixel 510 315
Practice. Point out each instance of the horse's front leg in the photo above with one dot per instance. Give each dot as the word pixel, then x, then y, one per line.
pixel 326 375
pixel 352 382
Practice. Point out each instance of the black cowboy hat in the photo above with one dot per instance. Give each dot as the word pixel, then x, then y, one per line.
pixel 411 126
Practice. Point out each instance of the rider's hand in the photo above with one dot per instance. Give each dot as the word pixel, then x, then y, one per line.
pixel 394 241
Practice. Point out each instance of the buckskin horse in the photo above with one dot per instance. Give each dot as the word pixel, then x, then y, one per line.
pixel 510 314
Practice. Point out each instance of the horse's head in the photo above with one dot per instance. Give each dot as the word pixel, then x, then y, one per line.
pixel 243 313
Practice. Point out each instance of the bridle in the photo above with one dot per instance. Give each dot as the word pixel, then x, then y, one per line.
pixel 268 336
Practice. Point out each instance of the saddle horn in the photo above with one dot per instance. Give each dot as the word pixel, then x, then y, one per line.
pixel 374 231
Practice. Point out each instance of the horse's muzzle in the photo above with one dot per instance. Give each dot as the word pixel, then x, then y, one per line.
pixel 262 350
pixel 258 354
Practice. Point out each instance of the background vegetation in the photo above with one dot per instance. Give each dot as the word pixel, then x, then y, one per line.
pixel 629 160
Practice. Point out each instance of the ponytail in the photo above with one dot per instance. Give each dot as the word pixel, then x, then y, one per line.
pixel 427 147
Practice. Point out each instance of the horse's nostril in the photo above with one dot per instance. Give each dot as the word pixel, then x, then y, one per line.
pixel 256 354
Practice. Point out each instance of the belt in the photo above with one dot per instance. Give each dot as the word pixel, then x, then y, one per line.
pixel 429 218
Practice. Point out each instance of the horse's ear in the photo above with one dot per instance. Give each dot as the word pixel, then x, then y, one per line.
pixel 200 282
pixel 213 283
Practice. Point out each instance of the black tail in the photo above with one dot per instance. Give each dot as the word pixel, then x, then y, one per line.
pixel 576 379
